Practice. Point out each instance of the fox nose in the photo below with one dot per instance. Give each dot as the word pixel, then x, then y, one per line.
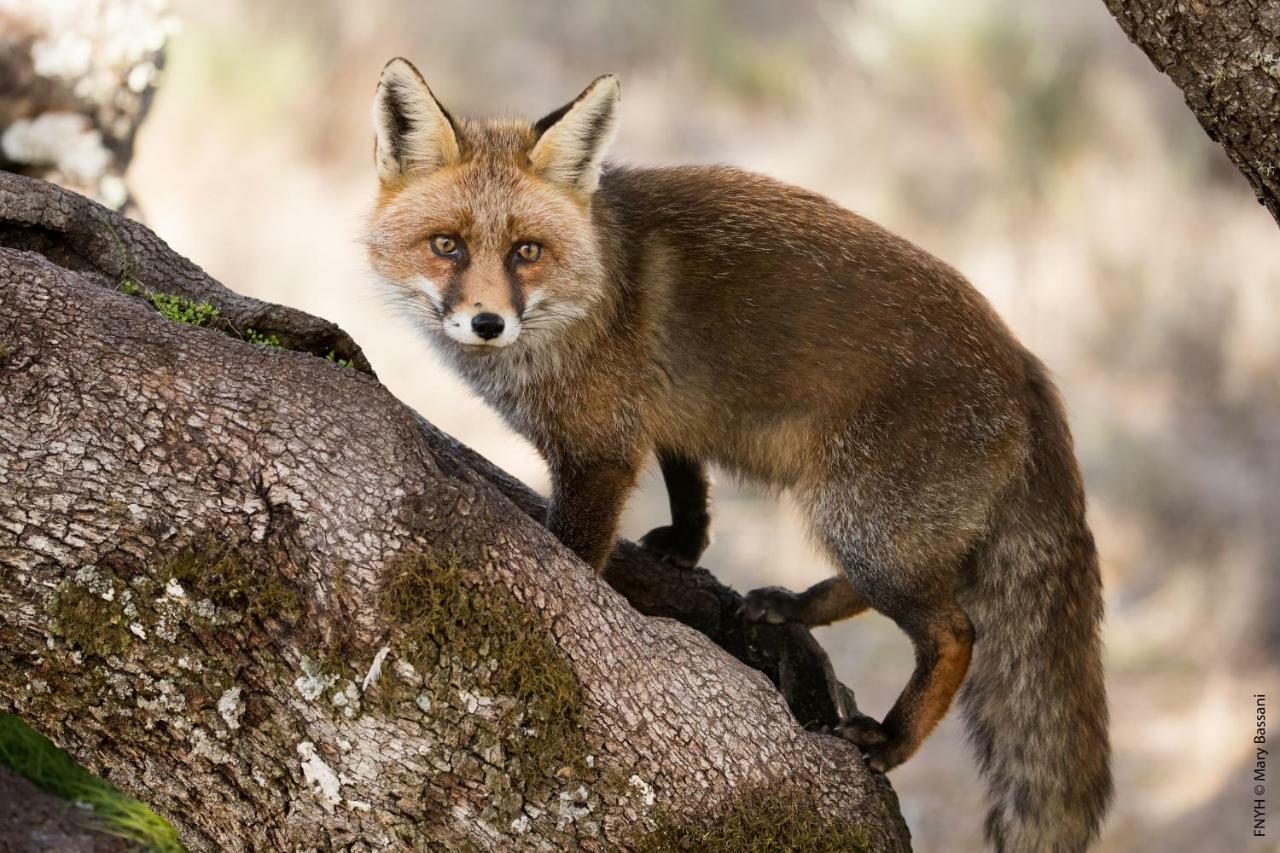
pixel 487 325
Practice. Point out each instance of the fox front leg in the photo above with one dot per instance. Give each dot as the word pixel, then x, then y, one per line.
pixel 586 502
pixel 687 536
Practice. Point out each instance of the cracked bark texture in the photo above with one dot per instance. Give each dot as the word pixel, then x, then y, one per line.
pixel 126 439
pixel 1225 57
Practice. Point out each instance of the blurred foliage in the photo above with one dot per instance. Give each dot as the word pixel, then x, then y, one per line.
pixel 34 757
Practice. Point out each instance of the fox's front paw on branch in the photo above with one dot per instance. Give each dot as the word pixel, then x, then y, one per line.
pixel 676 546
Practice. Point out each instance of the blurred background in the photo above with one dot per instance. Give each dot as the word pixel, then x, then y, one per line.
pixel 1026 142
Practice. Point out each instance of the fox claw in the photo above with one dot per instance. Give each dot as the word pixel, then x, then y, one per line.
pixel 862 730
pixel 881 750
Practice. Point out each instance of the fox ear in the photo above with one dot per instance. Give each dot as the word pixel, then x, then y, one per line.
pixel 573 139
pixel 412 131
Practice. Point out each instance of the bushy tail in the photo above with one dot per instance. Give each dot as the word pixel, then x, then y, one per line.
pixel 1034 699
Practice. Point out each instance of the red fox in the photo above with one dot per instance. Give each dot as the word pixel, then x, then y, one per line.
pixel 706 315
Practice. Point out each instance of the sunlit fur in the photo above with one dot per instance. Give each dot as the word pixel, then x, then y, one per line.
pixel 572 150
pixel 428 143
pixel 712 316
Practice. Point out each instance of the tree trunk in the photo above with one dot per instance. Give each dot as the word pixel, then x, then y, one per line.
pixel 1225 57
pixel 248 586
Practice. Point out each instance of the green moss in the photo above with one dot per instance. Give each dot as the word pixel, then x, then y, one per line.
pixel 760 822
pixel 179 309
pixel 341 362
pixel 459 629
pixel 88 613
pixel 182 310
pixel 272 340
pixel 6 350
pixel 221 574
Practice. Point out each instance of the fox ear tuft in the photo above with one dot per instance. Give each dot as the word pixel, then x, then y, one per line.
pixel 412 131
pixel 572 140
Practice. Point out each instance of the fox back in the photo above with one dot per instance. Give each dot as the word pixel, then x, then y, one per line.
pixel 689 291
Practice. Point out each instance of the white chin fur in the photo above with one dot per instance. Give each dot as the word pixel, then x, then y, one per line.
pixel 458 327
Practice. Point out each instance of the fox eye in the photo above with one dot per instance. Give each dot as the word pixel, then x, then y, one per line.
pixel 444 245
pixel 528 251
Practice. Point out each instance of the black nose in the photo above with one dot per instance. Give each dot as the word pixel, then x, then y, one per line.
pixel 487 326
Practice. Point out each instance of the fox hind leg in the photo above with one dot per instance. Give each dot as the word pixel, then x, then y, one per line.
pixel 943 640
pixel 904 552
pixel 938 628
pixel 909 576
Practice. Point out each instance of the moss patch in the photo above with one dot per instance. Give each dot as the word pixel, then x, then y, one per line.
pixel 88 612
pixel 271 341
pixel 462 631
pixel 179 309
pixel 222 574
pixel 182 310
pixel 760 822
pixel 341 362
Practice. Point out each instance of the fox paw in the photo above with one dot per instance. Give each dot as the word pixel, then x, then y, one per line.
pixel 882 750
pixel 771 604
pixel 678 547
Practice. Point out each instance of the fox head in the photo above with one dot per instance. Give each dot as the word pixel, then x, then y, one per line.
pixel 483 228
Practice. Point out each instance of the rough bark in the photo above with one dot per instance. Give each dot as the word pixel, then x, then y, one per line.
pixel 198 536
pixel 1225 57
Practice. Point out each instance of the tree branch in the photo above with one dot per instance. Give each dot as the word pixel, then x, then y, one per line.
pixel 1223 55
